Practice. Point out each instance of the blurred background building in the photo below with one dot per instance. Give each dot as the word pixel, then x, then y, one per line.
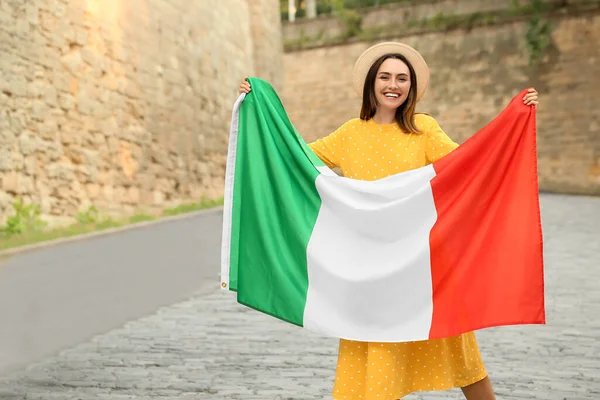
pixel 481 53
pixel 125 105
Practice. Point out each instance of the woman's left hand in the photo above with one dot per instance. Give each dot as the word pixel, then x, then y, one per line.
pixel 531 98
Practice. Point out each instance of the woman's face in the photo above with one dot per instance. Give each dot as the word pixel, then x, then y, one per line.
pixel 392 84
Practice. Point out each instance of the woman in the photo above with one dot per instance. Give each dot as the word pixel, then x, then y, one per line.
pixel 389 138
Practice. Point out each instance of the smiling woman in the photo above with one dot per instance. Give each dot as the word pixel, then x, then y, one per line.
pixel 387 139
pixel 390 92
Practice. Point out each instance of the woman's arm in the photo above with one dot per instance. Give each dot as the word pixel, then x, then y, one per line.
pixel 328 149
pixel 439 144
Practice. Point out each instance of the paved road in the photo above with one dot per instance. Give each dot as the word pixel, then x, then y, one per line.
pixel 208 347
pixel 60 296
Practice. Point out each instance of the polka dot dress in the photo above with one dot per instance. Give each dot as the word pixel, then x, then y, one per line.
pixel 369 151
pixel 389 371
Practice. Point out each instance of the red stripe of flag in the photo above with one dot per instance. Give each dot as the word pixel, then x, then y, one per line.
pixel 486 246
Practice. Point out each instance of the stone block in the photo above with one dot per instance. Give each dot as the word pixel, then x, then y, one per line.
pixel 32 13
pixel 17 183
pixel 88 55
pixel 29 143
pixel 158 198
pixel 18 85
pixel 17 121
pixel 78 190
pixel 60 171
pixel 58 9
pixel 66 101
pixel 75 15
pixel 87 105
pixel 36 88
pixel 53 150
pixel 93 190
pixel 50 95
pixel 6 162
pixel 108 193
pixel 7 139
pixel 72 61
pixel 39 110
pixel 133 195
pixel 22 27
pixel 4 100
pixel 81 36
pixel 5 200
pixel 31 165
pixel 48 129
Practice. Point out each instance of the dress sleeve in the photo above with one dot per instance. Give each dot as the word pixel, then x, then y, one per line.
pixel 330 148
pixel 438 143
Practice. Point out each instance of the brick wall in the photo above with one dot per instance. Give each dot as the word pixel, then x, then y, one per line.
pixel 474 75
pixel 123 104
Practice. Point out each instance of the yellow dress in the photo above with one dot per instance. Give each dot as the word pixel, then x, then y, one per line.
pixel 389 371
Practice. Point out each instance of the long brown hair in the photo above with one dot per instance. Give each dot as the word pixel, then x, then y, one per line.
pixel 405 114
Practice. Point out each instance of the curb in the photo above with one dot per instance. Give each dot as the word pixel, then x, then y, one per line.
pixel 106 232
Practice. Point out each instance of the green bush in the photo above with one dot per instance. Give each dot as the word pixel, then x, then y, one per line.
pixel 331 6
pixel 25 220
pixel 539 31
pixel 89 216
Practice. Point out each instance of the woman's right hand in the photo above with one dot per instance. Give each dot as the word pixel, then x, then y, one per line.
pixel 245 86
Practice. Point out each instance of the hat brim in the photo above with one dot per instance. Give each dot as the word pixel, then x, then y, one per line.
pixel 372 54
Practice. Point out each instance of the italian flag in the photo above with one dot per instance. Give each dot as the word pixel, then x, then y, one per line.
pixel 434 252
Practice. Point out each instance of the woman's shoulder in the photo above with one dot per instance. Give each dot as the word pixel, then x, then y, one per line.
pixel 424 118
pixel 425 122
pixel 352 123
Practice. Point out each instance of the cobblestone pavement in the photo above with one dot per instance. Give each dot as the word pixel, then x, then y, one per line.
pixel 211 348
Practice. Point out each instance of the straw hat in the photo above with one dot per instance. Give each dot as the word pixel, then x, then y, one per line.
pixel 369 56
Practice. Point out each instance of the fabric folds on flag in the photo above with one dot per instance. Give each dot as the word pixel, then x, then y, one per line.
pixel 434 252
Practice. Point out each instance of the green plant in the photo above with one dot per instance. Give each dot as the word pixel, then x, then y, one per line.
pixel 473 19
pixel 412 23
pixel 320 34
pixel 350 17
pixel 330 6
pixel 489 19
pixel 368 35
pixel 437 21
pixel 140 218
pixel 89 216
pixel 353 22
pixel 189 207
pixel 26 219
pixel 26 227
pixel 538 31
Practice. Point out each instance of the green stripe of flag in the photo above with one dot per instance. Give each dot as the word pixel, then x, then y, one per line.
pixel 275 186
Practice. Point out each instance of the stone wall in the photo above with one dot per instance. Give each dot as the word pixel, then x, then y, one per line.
pixel 475 73
pixel 325 28
pixel 267 40
pixel 124 105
